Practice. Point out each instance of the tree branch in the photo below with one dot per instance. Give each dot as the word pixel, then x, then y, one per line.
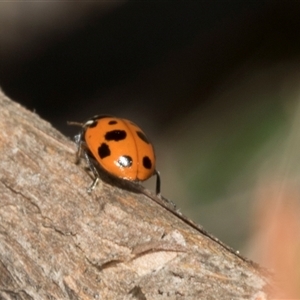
pixel 59 242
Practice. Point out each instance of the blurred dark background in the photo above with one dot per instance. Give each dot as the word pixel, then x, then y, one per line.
pixel 213 83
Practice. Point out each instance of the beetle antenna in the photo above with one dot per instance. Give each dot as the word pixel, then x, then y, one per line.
pixel 74 123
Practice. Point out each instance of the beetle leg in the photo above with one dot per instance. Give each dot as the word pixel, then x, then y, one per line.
pixel 158 194
pixel 80 145
pixel 94 171
pixel 157 183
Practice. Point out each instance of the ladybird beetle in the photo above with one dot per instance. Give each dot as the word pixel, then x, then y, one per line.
pixel 119 147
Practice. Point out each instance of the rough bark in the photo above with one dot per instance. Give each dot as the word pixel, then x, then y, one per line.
pixel 59 242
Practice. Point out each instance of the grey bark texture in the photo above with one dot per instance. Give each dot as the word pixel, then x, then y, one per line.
pixel 59 242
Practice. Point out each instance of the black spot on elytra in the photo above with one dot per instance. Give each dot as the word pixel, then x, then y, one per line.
pixel 113 122
pixel 94 124
pixel 142 136
pixel 147 162
pixel 115 135
pixel 125 161
pixel 103 151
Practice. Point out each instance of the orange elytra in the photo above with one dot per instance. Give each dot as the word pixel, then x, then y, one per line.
pixel 119 147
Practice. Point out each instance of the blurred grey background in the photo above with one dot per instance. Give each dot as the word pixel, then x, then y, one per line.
pixel 214 84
